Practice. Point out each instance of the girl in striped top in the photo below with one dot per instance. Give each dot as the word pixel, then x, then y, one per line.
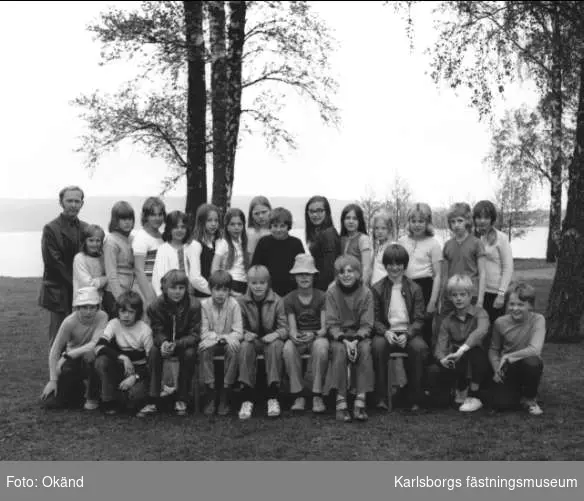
pixel 145 244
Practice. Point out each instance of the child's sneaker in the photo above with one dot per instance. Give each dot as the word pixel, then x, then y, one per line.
pixel 246 410
pixel 299 405
pixel 91 405
pixel 471 404
pixel 273 408
pixel 147 410
pixel 210 408
pixel 460 396
pixel 167 391
pixel 318 406
pixel 533 408
pixel 180 408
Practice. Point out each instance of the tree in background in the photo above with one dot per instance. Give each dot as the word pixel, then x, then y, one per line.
pixel 398 203
pixel 513 198
pixel 521 153
pixel 483 46
pixel 370 206
pixel 259 53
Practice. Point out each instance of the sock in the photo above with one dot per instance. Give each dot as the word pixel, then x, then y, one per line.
pixel 341 403
pixel 360 400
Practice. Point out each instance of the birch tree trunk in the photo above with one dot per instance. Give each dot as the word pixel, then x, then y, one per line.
pixel 566 301
pixel 218 47
pixel 555 218
pixel 196 172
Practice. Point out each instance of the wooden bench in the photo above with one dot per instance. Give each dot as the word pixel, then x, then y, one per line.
pixel 197 383
pixel 393 357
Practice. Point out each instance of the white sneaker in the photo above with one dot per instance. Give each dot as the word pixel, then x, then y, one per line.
pixel 180 408
pixel 167 391
pixel 318 405
pixel 533 408
pixel 246 410
pixel 299 404
pixel 147 410
pixel 471 404
pixel 273 408
pixel 460 396
pixel 91 405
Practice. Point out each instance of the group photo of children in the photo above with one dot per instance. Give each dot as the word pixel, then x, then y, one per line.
pixel 230 314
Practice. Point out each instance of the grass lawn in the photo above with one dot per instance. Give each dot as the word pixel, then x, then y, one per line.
pixel 30 433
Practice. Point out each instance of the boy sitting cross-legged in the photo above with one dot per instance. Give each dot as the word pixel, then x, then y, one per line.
pixel 221 334
pixel 306 319
pixel 175 319
pixel 460 345
pixel 72 355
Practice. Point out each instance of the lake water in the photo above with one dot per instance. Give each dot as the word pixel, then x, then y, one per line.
pixel 20 254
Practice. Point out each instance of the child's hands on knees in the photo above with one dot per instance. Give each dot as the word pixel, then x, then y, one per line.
pixel 447 362
pixel 128 365
pixel 232 344
pixel 127 383
pixel 391 337
pixel 249 337
pixel 270 338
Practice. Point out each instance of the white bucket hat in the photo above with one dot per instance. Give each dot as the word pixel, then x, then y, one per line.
pixel 303 263
pixel 87 295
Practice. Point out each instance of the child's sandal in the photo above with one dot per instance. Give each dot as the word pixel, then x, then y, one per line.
pixel 360 414
pixel 343 415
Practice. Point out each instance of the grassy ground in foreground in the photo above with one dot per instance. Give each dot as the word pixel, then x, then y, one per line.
pixel 30 433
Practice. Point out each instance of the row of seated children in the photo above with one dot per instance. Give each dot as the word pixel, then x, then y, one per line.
pixel 349 324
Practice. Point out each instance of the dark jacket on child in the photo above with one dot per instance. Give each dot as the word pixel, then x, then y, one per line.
pixel 183 318
pixel 413 297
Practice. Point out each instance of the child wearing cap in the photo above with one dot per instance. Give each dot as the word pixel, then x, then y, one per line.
pixel 71 359
pixel 221 334
pixel 515 352
pixel 265 329
pixel 175 320
pixel 122 354
pixel 277 251
pixel 349 321
pixel 306 319
pixel 459 346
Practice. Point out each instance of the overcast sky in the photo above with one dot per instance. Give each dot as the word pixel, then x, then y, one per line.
pixel 394 119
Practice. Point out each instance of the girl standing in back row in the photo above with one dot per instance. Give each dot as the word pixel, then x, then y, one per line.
pixel 231 251
pixel 201 251
pixel 258 222
pixel 354 240
pixel 322 240
pixel 145 245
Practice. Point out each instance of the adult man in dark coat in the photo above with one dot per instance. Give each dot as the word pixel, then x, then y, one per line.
pixel 62 239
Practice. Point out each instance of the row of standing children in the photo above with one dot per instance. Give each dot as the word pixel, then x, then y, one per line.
pixel 464 253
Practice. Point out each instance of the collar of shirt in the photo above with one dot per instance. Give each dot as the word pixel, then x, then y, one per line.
pixel 470 312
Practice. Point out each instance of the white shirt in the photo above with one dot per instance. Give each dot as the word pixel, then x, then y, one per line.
pixel 423 253
pixel 237 271
pixel 398 312
pixel 166 260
